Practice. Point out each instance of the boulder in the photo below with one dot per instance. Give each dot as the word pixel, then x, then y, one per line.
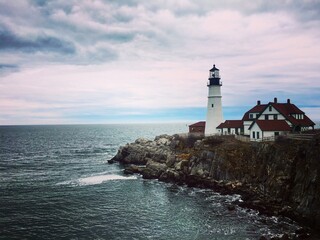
pixel 180 166
pixel 170 175
pixel 131 169
pixel 153 169
pixel 171 159
pixel 231 207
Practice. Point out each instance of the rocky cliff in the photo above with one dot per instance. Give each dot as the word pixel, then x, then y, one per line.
pixel 281 177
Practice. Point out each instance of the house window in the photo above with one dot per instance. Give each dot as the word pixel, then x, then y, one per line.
pixel 212 105
pixel 276 133
pixel 266 117
pixel 253 134
pixel 270 108
pixel 258 135
pixel 275 116
pixel 228 130
pixel 251 116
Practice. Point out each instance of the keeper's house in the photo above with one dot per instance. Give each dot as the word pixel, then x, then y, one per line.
pixel 267 121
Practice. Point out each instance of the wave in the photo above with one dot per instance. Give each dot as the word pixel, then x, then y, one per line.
pixel 97 179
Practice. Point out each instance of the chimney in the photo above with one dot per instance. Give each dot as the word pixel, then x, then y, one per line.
pixel 288 100
pixel 258 102
pixel 275 100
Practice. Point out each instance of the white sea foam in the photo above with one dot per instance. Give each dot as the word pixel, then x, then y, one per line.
pixel 97 179
pixel 103 178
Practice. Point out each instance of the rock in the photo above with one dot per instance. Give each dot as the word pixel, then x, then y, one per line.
pixel 170 175
pixel 263 238
pixel 284 236
pixel 181 165
pixel 153 169
pixel 231 207
pixel 303 233
pixel 127 172
pixel 163 141
pixel 197 144
pixel 142 141
pixel 131 169
pixel 171 159
pixel 111 161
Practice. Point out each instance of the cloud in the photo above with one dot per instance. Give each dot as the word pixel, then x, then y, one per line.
pixel 7 66
pixel 78 57
pixel 40 43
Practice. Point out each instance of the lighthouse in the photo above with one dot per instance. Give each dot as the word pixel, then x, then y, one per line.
pixel 214 108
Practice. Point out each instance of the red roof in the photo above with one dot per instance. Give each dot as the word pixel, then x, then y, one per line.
pixel 255 109
pixel 272 125
pixel 198 124
pixel 286 109
pixel 231 124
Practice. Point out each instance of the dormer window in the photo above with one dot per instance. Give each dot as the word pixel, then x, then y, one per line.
pixel 251 115
pixel 270 108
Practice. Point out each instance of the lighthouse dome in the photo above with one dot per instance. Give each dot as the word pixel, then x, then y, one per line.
pixel 213 69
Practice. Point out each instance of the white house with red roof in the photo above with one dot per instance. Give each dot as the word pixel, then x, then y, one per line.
pixel 266 121
pixel 277 119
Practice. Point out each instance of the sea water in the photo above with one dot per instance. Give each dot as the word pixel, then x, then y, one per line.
pixel 55 183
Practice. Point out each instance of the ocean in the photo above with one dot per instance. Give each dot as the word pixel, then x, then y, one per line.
pixel 55 183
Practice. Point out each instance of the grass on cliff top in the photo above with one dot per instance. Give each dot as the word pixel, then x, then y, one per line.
pixel 189 141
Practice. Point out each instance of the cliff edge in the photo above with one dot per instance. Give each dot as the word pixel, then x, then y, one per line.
pixel 279 178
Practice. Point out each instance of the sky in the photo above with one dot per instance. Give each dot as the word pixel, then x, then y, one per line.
pixel 129 61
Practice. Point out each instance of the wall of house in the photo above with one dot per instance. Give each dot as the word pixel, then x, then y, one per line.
pixel 263 134
pixel 271 114
pixel 246 125
pixel 226 132
pixel 196 129
pixel 233 131
pixel 256 131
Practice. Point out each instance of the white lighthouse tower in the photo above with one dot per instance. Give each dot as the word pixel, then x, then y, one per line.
pixel 214 108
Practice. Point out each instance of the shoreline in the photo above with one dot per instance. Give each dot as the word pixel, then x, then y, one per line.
pixel 227 166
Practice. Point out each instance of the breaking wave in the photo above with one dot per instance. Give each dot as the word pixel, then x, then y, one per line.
pixel 97 179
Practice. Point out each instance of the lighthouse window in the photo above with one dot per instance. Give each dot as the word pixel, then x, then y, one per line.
pixel 212 105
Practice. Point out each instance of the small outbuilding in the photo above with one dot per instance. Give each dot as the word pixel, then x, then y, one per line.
pixel 198 127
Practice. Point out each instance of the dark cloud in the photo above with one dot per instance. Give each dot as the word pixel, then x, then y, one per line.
pixel 40 2
pixel 9 41
pixel 7 66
